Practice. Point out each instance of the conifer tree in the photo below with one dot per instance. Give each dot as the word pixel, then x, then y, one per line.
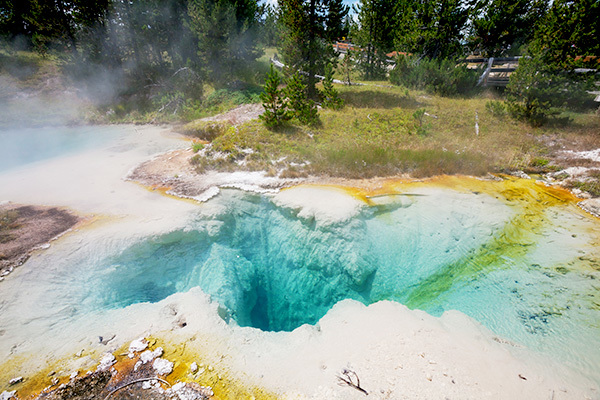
pixel 227 39
pixel 489 29
pixel 309 26
pixel 331 98
pixel 276 106
pixel 569 30
pixel 303 109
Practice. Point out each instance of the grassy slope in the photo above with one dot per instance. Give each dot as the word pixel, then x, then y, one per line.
pixel 376 135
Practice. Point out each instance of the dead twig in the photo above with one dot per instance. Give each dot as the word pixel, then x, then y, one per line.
pixel 136 381
pixel 350 378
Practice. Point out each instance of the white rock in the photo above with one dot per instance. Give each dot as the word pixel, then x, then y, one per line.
pixel 16 380
pixel 186 391
pixel 74 374
pixel 106 362
pixel 194 367
pixel 147 356
pixel 137 365
pixel 158 352
pixel 146 385
pixel 162 366
pixel 138 345
pixel 8 395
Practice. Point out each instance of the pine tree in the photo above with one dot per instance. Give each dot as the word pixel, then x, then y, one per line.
pixel 335 21
pixel 276 107
pixel 570 29
pixel 489 29
pixel 308 28
pixel 227 40
pixel 331 98
pixel 376 35
pixel 431 28
pixel 303 109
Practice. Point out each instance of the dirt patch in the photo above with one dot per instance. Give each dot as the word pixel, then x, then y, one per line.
pixel 239 115
pixel 23 228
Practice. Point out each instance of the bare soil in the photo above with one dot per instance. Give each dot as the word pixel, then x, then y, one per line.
pixel 26 228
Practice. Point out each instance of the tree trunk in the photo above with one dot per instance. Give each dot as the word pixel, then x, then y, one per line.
pixel 311 51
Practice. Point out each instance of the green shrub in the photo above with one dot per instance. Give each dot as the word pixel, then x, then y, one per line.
pixel 442 77
pixel 496 108
pixel 421 126
pixel 197 146
pixel 537 92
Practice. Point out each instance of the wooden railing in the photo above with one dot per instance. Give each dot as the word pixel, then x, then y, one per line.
pixel 498 70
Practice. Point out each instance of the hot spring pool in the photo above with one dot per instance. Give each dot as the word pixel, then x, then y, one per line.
pixel 516 256
pixel 512 255
pixel 22 146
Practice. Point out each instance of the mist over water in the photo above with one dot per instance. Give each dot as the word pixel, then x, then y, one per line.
pixel 26 145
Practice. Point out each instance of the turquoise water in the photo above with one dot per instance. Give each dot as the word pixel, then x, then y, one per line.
pixel 271 270
pixel 22 146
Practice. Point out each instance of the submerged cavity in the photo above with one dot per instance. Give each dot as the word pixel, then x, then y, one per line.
pixel 271 269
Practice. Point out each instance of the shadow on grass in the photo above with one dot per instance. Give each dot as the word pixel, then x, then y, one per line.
pixel 376 99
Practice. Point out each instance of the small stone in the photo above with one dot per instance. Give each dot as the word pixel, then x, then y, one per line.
pixel 105 340
pixel 16 380
pixel 147 356
pixel 106 362
pixel 74 374
pixel 55 381
pixel 79 353
pixel 210 368
pixel 162 366
pixel 51 373
pixel 194 367
pixel 429 377
pixel 138 345
pixel 137 365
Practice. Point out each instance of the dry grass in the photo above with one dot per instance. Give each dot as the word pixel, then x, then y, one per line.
pixel 376 134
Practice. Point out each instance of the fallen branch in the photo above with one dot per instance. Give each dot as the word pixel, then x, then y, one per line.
pixel 136 381
pixel 350 378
